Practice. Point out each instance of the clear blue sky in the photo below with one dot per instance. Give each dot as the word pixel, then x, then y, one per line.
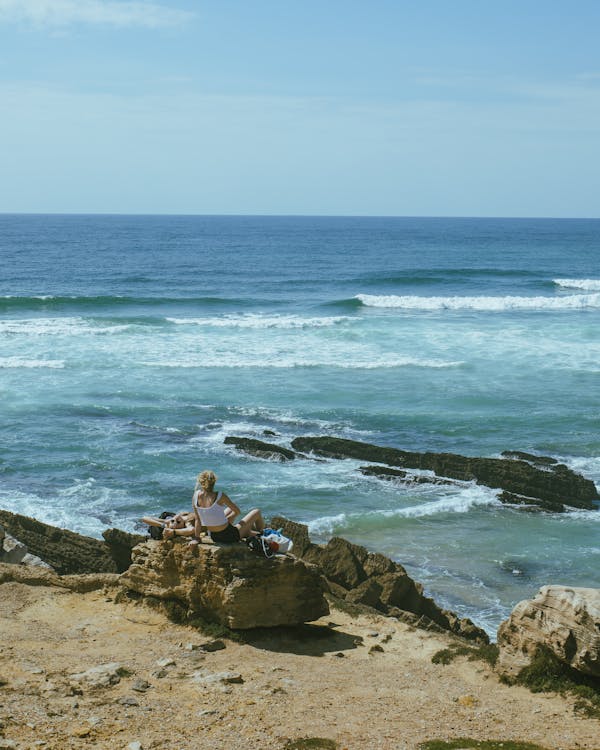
pixel 387 107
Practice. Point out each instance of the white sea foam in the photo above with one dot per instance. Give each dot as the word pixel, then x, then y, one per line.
pixel 256 321
pixel 586 285
pixel 84 506
pixel 462 501
pixel 482 304
pixel 275 360
pixel 18 362
pixel 58 327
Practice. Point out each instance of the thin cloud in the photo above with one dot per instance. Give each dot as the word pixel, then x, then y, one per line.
pixel 117 13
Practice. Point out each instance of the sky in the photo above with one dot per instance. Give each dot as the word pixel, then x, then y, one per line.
pixel 335 107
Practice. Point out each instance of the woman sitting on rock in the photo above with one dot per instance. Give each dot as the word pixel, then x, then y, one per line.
pixel 215 512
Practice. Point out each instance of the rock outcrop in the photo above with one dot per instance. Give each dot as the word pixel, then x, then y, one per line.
pixel 14 552
pixel 68 552
pixel 228 583
pixel 562 619
pixel 371 579
pixel 553 483
pixel 261 449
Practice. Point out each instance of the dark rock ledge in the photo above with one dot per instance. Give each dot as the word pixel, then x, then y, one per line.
pixel 523 478
pixel 357 576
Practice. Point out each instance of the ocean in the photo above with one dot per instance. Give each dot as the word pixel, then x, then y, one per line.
pixel 131 346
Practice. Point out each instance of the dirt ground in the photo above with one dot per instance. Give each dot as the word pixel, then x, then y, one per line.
pixel 326 681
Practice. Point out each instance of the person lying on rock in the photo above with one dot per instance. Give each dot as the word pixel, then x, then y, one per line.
pixel 181 524
pixel 215 511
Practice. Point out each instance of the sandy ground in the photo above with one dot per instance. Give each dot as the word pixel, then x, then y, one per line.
pixel 326 684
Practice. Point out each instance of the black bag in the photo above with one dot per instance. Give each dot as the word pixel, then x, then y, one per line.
pixel 156 532
pixel 260 546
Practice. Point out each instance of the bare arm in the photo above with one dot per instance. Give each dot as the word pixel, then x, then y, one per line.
pixel 232 509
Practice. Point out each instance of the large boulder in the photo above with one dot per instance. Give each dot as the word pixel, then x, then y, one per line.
pixel 562 619
pixel 371 579
pixel 228 583
pixel 544 481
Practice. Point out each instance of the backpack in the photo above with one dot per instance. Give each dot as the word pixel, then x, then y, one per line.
pixel 260 546
pixel 156 532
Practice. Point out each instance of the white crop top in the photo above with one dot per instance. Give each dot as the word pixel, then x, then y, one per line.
pixel 212 516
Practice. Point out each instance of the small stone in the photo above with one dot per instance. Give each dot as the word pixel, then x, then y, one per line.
pixel 228 678
pixel 373 634
pixel 134 746
pixel 160 673
pixel 216 645
pixel 167 662
pixel 128 701
pixel 191 646
pixel 101 676
pixel 376 649
pixel 340 655
pixel 140 685
pixel 81 731
pixel 207 712
pixel 468 701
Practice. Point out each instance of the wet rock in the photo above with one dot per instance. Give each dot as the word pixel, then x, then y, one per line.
pixel 562 619
pixel 551 506
pixel 398 475
pixel 530 458
pixel 228 584
pixel 553 483
pixel 261 449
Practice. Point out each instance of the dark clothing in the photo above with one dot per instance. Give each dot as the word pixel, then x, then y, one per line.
pixel 227 536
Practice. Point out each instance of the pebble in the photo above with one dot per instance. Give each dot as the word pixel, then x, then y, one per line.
pixel 128 701
pixel 216 645
pixel 167 662
pixel 134 746
pixel 160 673
pixel 140 685
pixel 373 634
pixel 191 646
pixel 376 649
pixel 223 677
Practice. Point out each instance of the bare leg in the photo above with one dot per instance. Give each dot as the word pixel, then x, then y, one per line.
pixel 153 521
pixel 252 521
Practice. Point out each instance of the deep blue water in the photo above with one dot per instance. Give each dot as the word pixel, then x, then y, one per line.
pixel 131 346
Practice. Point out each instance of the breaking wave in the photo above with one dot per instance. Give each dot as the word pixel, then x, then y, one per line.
pixel 482 304
pixel 586 285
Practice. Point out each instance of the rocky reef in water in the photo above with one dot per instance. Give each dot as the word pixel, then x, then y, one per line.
pixel 523 479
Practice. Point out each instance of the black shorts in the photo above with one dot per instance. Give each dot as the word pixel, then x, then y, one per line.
pixel 226 536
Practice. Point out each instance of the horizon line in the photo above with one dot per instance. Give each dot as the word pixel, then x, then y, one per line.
pixel 295 215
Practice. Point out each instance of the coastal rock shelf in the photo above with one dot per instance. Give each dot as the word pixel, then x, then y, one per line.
pixel 68 552
pixel 524 479
pixel 373 580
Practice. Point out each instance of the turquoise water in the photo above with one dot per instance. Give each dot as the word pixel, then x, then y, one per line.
pixel 131 346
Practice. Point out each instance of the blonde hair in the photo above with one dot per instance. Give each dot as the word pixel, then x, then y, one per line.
pixel 206 480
